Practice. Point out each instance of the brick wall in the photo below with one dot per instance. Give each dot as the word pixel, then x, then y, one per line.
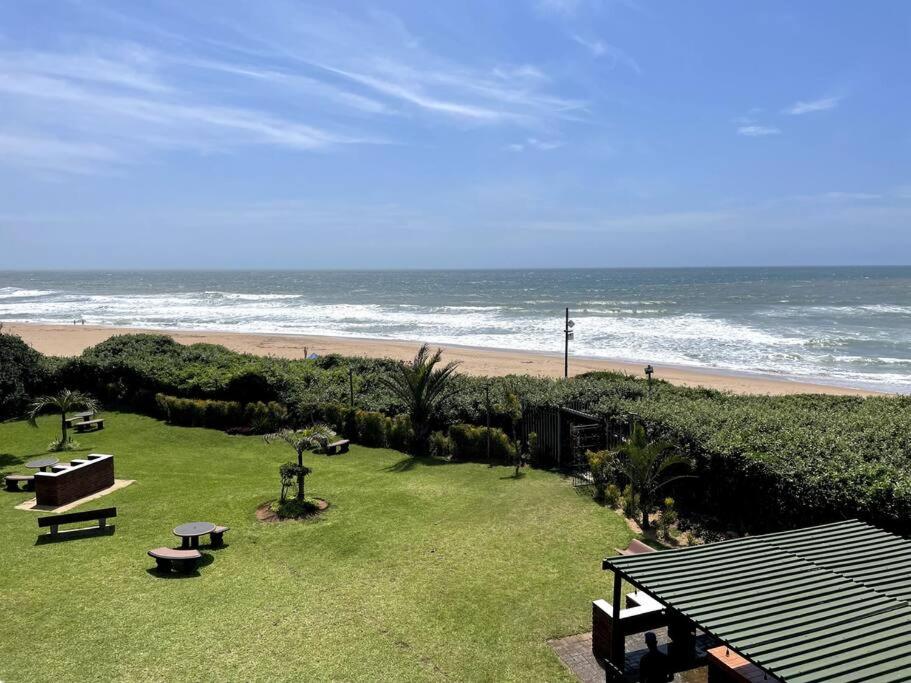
pixel 82 478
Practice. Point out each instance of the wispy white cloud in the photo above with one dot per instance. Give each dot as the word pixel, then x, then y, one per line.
pixel 600 48
pixel 809 106
pixel 534 143
pixel 60 156
pixel 302 78
pixel 754 130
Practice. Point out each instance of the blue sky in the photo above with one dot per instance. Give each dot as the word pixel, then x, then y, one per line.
pixel 530 133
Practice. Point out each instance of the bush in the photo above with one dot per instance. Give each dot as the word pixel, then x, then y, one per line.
pixel 440 445
pixel 470 443
pixel 612 496
pixel 399 433
pixel 668 517
pixel 292 508
pixel 604 468
pixel 630 502
pixel 257 418
pixel 22 374
pixel 371 428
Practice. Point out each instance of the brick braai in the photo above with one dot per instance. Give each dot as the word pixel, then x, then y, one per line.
pixel 80 478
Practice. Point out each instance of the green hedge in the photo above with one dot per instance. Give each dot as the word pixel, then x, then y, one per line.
pixel 256 418
pixel 771 462
pixel 469 443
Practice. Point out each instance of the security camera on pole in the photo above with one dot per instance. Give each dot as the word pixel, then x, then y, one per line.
pixel 568 333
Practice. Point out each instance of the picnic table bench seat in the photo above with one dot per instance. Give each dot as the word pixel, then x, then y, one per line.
pixel 216 536
pixel 336 447
pixel 78 417
pixel 171 558
pixel 55 521
pixel 86 425
pixel 12 481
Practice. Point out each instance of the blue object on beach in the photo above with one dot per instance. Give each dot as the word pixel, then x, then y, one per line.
pixel 313 356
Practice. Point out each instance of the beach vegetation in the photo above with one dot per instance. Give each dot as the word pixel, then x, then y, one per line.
pixel 423 386
pixel 648 466
pixel 761 462
pixel 441 445
pixel 470 443
pixel 23 373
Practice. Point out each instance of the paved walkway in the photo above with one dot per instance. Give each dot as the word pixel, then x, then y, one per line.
pixel 576 653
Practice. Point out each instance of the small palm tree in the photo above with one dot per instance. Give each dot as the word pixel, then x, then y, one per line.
pixel 423 388
pixel 64 402
pixel 302 440
pixel 645 464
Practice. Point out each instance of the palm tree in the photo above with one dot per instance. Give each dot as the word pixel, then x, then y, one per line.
pixel 302 440
pixel 645 464
pixel 423 388
pixel 64 402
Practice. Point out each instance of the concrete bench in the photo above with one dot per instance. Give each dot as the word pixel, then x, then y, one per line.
pixel 217 536
pixel 337 447
pixel 101 516
pixel 78 417
pixel 184 561
pixel 95 425
pixel 12 481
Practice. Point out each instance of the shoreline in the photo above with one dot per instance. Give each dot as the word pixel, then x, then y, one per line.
pixel 70 340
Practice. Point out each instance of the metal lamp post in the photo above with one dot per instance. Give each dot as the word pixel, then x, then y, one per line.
pixel 648 373
pixel 568 334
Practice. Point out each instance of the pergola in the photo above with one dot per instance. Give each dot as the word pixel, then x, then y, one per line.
pixel 829 604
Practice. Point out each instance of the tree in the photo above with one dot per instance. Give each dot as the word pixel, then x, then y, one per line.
pixel 64 402
pixel 645 465
pixel 301 440
pixel 423 388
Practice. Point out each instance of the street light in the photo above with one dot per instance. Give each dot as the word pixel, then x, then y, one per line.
pixel 648 372
pixel 568 333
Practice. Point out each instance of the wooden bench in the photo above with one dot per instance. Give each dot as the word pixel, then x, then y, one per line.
pixel 12 481
pixel 170 558
pixel 217 536
pixel 102 516
pixel 337 447
pixel 86 425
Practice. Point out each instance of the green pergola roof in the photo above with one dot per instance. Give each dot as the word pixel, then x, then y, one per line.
pixel 824 604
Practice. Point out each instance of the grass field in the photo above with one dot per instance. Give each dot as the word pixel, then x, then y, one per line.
pixel 418 570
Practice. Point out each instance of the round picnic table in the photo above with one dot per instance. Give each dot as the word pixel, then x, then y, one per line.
pixel 190 532
pixel 42 463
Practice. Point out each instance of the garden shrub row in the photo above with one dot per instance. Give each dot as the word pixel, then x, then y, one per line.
pixel 469 443
pixel 763 462
pixel 253 418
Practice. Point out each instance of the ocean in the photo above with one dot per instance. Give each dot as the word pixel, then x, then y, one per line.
pixel 848 326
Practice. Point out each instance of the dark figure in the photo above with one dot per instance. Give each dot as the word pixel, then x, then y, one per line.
pixel 654 666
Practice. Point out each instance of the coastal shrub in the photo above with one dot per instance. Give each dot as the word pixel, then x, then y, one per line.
pixel 371 428
pixel 399 433
pixel 255 418
pixel 23 374
pixel 469 443
pixel 441 445
pixel 604 469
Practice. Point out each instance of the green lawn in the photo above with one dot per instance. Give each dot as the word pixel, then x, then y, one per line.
pixel 418 571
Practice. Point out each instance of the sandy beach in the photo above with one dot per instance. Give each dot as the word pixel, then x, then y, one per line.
pixel 70 340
